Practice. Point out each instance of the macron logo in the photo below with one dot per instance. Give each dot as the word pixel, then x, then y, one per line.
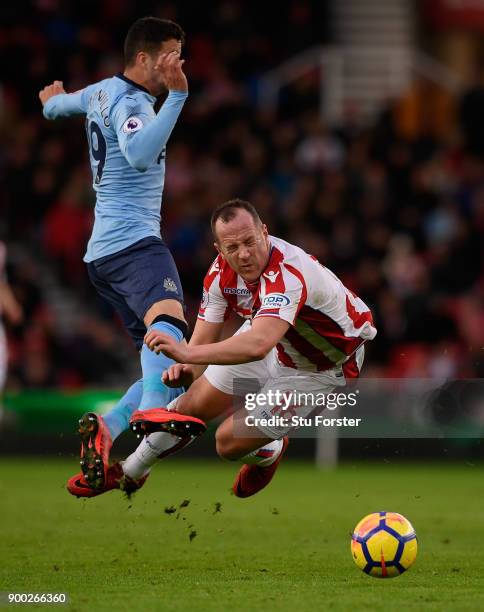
pixel 271 276
pixel 236 291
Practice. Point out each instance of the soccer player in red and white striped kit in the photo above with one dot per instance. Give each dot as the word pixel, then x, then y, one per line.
pixel 303 330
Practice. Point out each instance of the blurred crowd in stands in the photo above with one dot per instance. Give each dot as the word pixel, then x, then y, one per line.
pixel 400 219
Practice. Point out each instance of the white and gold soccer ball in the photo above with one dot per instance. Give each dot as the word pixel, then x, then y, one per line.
pixel 384 544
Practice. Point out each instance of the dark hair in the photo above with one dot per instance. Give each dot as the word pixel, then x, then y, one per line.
pixel 228 210
pixel 147 34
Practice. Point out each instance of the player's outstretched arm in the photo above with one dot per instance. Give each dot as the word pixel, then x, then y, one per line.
pixel 142 143
pixel 49 91
pixel 248 346
pixel 57 102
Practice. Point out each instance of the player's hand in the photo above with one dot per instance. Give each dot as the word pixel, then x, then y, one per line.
pixel 171 67
pixel 56 88
pixel 178 375
pixel 159 342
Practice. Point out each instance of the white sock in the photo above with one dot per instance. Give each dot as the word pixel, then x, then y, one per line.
pixel 172 405
pixel 139 463
pixel 264 456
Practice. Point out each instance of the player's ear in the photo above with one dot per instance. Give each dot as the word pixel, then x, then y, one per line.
pixel 265 231
pixel 217 248
pixel 141 58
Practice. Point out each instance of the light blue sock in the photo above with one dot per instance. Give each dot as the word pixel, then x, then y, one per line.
pixel 117 419
pixel 155 393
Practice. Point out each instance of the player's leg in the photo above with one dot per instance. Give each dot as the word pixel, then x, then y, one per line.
pixel 167 317
pixel 261 443
pixel 259 449
pixel 212 395
pixel 117 419
pixel 145 276
pixel 202 402
pixel 119 279
pixel 97 433
pixel 160 306
pixel 96 443
pixel 260 453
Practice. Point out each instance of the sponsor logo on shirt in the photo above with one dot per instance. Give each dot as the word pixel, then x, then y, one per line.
pixel 236 291
pixel 275 300
pixel 133 124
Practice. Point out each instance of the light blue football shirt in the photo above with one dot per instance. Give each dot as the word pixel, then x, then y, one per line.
pixel 127 144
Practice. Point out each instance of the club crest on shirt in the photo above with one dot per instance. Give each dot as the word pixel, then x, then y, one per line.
pixel 275 300
pixel 133 124
pixel 170 285
pixel 205 299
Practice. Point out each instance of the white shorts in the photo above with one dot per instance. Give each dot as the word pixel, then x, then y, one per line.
pixel 268 375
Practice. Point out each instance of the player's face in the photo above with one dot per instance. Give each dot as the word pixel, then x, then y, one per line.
pixel 244 245
pixel 155 76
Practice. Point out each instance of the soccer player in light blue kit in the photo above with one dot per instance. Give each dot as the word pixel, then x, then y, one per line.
pixel 127 261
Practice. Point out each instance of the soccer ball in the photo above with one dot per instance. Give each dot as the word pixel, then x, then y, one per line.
pixel 384 544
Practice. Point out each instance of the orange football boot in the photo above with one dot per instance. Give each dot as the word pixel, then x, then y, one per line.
pixel 116 479
pixel 96 444
pixel 144 422
pixel 253 478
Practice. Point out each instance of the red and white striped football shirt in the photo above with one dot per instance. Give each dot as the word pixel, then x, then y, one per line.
pixel 328 322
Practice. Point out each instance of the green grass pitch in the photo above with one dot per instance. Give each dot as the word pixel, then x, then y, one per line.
pixel 285 549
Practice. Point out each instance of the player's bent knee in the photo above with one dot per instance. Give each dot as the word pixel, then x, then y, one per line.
pixel 190 408
pixel 226 446
pixel 191 404
pixel 227 452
